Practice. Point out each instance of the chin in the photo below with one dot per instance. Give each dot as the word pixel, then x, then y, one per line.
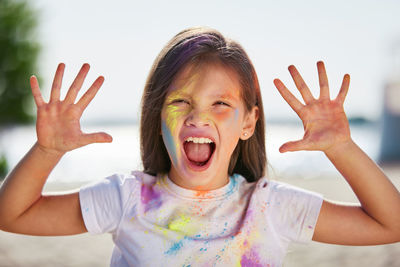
pixel 195 179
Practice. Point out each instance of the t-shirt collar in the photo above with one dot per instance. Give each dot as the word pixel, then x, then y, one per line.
pixel 195 194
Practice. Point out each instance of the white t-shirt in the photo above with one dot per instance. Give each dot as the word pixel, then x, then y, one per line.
pixel 155 222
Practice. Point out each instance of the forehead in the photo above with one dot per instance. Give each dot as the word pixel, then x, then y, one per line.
pixel 210 78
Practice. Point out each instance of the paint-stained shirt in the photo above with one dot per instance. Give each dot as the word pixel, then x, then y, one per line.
pixel 155 222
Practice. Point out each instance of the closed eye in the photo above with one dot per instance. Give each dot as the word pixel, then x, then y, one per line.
pixel 222 103
pixel 180 101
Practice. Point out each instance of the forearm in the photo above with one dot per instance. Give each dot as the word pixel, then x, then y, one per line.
pixel 24 185
pixel 378 196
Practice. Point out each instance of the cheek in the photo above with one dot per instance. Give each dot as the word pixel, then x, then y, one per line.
pixel 225 115
pixel 172 116
pixel 228 117
pixel 171 145
pixel 230 124
pixel 169 127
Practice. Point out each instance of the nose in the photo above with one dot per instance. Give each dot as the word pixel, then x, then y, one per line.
pixel 197 118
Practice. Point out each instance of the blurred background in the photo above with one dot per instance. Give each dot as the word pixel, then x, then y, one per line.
pixel 120 40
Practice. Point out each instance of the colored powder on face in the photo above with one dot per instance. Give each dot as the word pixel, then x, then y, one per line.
pixel 150 198
pixel 169 142
pixel 236 116
pixel 169 125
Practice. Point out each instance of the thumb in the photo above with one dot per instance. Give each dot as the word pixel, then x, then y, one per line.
pixel 293 146
pixel 100 137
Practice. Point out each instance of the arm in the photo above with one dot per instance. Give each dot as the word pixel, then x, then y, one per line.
pixel 23 207
pixel 377 219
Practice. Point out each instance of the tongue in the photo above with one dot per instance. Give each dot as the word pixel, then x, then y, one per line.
pixel 197 152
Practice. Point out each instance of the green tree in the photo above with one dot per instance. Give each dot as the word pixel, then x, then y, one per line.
pixel 19 53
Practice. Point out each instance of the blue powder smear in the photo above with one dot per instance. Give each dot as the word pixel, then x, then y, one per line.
pixel 236 114
pixel 169 141
pixel 174 248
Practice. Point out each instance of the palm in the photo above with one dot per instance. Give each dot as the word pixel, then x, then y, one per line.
pixel 58 127
pixel 325 123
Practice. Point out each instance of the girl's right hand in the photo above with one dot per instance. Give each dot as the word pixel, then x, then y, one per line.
pixel 58 127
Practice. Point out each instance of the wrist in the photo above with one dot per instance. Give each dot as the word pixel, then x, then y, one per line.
pixel 339 148
pixel 46 152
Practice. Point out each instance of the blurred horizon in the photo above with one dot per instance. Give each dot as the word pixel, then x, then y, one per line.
pixel 123 154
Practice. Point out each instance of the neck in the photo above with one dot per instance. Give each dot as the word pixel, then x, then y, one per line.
pixel 198 183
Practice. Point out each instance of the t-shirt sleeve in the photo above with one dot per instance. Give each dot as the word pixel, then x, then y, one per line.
pixel 103 202
pixel 293 211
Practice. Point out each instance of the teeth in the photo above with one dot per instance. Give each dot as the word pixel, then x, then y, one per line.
pixel 200 140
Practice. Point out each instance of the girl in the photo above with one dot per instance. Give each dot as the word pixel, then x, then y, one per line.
pixel 203 198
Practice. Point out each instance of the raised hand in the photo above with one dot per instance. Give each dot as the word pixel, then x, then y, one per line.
pixel 325 123
pixel 58 127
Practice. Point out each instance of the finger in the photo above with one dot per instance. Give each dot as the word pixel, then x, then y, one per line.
pixel 294 146
pixel 91 138
pixel 77 84
pixel 343 89
pixel 90 93
pixel 301 85
pixel 37 95
pixel 293 102
pixel 55 89
pixel 323 81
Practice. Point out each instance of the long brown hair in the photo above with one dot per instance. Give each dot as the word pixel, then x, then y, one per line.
pixel 199 45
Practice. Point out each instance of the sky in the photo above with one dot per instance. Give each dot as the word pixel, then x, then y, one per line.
pixel 121 39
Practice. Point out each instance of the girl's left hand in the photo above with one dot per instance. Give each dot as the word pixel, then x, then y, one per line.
pixel 325 123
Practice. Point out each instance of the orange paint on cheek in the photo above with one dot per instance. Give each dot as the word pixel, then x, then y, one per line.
pixel 222 116
pixel 228 116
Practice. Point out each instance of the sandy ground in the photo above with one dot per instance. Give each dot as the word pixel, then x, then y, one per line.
pixel 90 250
pixel 325 255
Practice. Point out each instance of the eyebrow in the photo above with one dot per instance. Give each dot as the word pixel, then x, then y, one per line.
pixel 177 93
pixel 226 96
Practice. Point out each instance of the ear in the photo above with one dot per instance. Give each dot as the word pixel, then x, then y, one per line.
pixel 249 123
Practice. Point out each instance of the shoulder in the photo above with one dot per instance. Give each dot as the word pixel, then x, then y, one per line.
pixel 123 185
pixel 104 202
pixel 277 189
pixel 293 211
pixel 283 199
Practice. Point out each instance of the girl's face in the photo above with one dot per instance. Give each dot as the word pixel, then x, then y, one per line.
pixel 202 119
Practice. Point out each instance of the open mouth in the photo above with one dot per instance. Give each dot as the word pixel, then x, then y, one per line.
pixel 199 150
